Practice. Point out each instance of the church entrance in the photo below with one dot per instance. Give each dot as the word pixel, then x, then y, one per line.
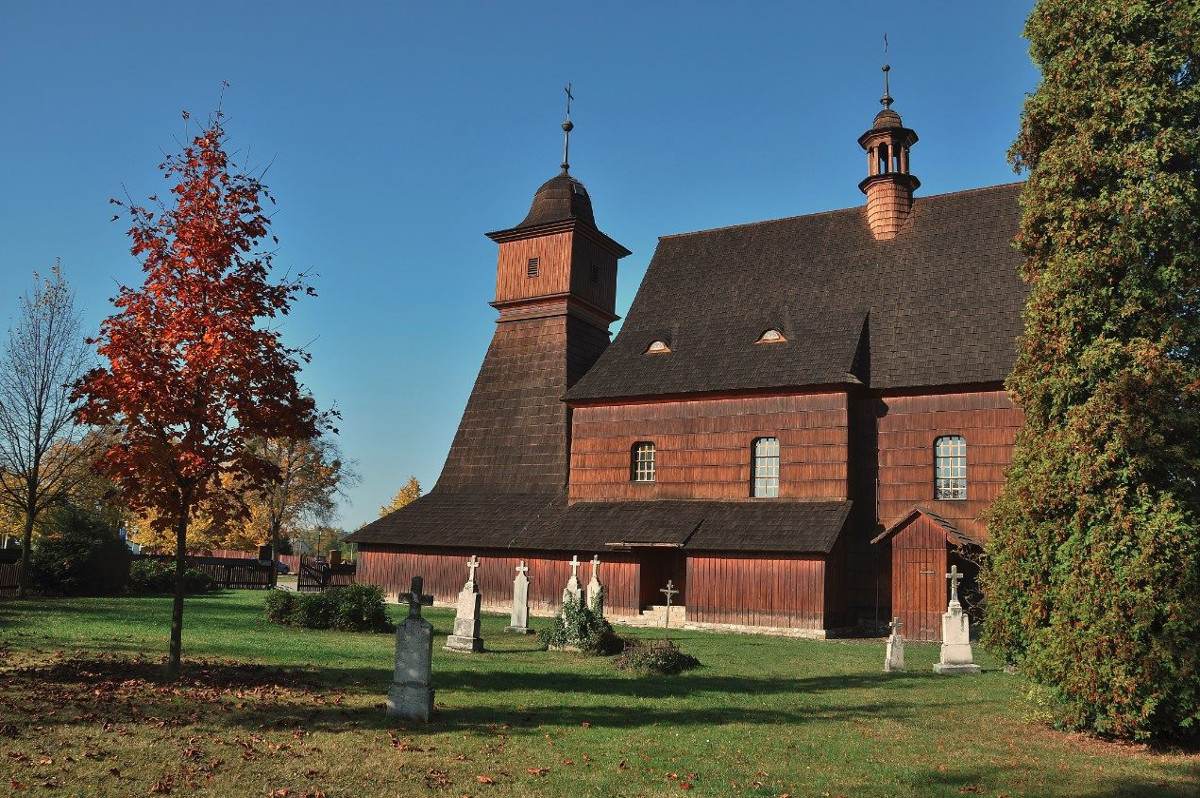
pixel 658 567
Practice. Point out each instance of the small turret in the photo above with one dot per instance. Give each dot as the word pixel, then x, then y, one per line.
pixel 888 185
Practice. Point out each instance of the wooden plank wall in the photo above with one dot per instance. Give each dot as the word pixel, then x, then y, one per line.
pixel 919 587
pixel 554 268
pixel 601 291
pixel 757 591
pixel 702 447
pixel 445 571
pixel 908 426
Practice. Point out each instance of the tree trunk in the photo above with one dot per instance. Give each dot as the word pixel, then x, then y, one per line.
pixel 26 548
pixel 173 661
pixel 273 542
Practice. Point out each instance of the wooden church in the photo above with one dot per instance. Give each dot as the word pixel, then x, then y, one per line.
pixel 799 423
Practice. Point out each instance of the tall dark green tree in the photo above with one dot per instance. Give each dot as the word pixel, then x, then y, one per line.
pixel 1093 580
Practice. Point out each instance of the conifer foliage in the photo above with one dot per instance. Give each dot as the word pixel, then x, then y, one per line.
pixel 1093 578
pixel 195 370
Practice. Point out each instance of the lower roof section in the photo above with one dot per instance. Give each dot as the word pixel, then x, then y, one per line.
pixel 545 521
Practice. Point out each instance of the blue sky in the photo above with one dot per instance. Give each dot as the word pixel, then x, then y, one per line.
pixel 400 132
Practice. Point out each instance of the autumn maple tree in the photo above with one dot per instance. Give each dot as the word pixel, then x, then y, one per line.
pixel 194 372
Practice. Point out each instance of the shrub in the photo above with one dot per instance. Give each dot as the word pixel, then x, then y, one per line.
pixel 355 608
pixel 80 553
pixel 580 627
pixel 659 656
pixel 150 576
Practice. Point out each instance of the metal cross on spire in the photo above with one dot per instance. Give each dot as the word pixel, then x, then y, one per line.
pixel 886 99
pixel 567 127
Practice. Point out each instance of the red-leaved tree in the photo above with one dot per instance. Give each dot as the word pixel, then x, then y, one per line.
pixel 194 373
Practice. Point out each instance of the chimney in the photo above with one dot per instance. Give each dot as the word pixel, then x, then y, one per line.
pixel 888 185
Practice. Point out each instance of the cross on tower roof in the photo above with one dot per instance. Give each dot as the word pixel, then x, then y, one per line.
pixel 416 598
pixel 955 577
pixel 567 127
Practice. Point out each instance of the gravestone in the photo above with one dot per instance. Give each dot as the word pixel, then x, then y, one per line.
pixel 520 608
pixel 410 696
pixel 893 660
pixel 573 588
pixel 595 590
pixel 670 591
pixel 956 634
pixel 466 618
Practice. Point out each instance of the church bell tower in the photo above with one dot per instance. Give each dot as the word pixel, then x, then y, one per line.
pixel 889 184
pixel 556 284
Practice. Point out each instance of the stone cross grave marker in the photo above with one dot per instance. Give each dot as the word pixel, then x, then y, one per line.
pixel 956 656
pixel 466 618
pixel 410 696
pixel 893 659
pixel 573 589
pixel 670 593
pixel 594 588
pixel 520 607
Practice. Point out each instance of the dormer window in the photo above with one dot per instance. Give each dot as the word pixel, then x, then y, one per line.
pixel 658 348
pixel 771 336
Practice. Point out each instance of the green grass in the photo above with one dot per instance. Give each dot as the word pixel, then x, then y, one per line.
pixel 762 717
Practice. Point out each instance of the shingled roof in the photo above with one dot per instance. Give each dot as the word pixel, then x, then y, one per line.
pixel 477 519
pixel 938 305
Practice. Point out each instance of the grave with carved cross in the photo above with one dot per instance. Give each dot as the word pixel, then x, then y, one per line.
pixel 466 619
pixel 595 590
pixel 411 696
pixel 893 659
pixel 956 655
pixel 573 590
pixel 520 607
pixel 670 591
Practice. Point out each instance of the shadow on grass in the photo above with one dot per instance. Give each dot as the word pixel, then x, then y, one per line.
pixel 986 781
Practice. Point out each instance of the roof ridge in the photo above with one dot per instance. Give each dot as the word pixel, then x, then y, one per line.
pixel 943 195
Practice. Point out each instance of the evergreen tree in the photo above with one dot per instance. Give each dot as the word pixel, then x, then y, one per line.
pixel 1093 579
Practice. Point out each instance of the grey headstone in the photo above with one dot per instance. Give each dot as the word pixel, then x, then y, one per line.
pixel 466 619
pixel 956 656
pixel 893 660
pixel 410 696
pixel 520 607
pixel 594 589
pixel 573 588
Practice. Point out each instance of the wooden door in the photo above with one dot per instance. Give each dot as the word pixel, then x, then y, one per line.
pixel 919 589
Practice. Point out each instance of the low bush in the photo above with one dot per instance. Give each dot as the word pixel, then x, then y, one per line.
pixel 657 656
pixel 582 628
pixel 150 576
pixel 355 608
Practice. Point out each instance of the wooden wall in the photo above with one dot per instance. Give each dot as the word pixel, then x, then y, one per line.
pixel 601 291
pixel 920 590
pixel 907 428
pixel 565 263
pixel 751 590
pixel 702 447
pixel 445 571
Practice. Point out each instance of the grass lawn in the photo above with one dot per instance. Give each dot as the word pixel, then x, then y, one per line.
pixel 82 714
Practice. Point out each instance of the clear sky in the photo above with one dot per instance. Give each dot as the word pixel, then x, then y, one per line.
pixel 400 132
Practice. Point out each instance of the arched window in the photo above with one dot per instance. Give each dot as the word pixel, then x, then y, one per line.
pixel 764 470
pixel 771 336
pixel 658 348
pixel 950 467
pixel 641 465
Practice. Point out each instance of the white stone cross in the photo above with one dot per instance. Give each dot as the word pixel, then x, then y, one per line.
pixel 575 566
pixel 472 564
pixel 895 625
pixel 670 592
pixel 416 598
pixel 595 566
pixel 955 577
pixel 522 568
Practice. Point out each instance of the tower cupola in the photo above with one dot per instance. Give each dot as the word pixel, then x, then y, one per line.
pixel 889 184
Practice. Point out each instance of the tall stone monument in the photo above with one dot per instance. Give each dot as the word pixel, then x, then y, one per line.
pixel 573 589
pixel 466 619
pixel 520 608
pixel 893 660
pixel 956 634
pixel 410 696
pixel 595 590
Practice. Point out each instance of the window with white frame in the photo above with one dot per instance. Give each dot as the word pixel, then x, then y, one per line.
pixel 950 467
pixel 764 477
pixel 642 462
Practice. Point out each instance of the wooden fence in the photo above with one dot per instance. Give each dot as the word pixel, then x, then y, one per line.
pixel 235 573
pixel 316 575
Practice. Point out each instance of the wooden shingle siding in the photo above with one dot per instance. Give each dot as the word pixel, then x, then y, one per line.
pixel 781 592
pixel 919 586
pixel 445 572
pixel 908 427
pixel 702 447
